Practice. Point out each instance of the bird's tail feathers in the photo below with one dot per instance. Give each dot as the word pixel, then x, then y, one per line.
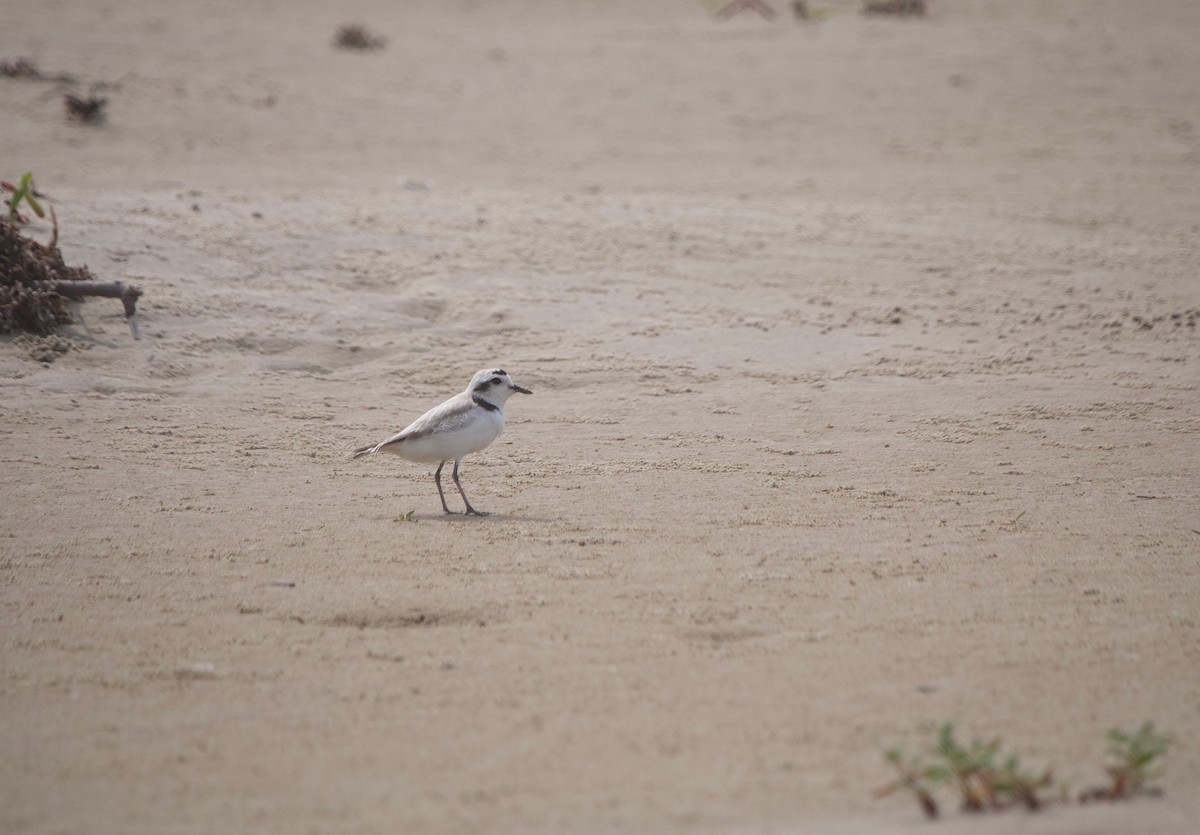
pixel 373 448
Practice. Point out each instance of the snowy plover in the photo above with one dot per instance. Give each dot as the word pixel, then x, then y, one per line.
pixel 465 423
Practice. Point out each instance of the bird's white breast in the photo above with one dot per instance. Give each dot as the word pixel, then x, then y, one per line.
pixel 469 433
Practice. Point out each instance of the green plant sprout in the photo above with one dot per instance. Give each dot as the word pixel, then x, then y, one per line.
pixel 988 780
pixel 1012 523
pixel 23 190
pixel 972 768
pixel 914 776
pixel 1134 756
pixel 1012 781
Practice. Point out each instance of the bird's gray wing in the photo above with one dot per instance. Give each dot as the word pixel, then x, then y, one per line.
pixel 453 414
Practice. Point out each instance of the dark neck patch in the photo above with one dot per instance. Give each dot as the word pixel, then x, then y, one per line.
pixel 485 405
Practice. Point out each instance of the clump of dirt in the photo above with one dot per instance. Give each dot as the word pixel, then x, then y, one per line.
pixel 46 348
pixel 89 110
pixel 357 36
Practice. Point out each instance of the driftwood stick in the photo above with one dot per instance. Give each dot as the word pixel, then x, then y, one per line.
pixel 127 293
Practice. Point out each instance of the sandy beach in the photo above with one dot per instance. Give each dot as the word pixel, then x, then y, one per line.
pixel 866 387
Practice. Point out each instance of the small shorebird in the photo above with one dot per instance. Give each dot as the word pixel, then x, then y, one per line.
pixel 465 423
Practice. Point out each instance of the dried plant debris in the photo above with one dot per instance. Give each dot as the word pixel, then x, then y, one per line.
pixel 736 7
pixel 19 68
pixel 88 110
pixel 28 274
pixel 26 69
pixel 357 36
pixel 912 8
pixel 35 283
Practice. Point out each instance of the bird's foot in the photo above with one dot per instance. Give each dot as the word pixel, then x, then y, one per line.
pixel 473 512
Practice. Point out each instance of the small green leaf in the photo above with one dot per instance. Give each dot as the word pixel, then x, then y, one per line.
pixel 33 204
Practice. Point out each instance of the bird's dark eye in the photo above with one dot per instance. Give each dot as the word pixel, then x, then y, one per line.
pixel 495 381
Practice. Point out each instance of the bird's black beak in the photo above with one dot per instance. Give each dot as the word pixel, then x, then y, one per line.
pixel 521 389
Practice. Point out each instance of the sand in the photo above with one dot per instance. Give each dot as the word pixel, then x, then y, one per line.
pixel 867 393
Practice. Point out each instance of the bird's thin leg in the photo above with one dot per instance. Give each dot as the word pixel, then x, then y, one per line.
pixel 470 510
pixel 437 479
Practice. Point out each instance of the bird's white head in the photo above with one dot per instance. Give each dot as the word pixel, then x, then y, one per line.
pixel 494 386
